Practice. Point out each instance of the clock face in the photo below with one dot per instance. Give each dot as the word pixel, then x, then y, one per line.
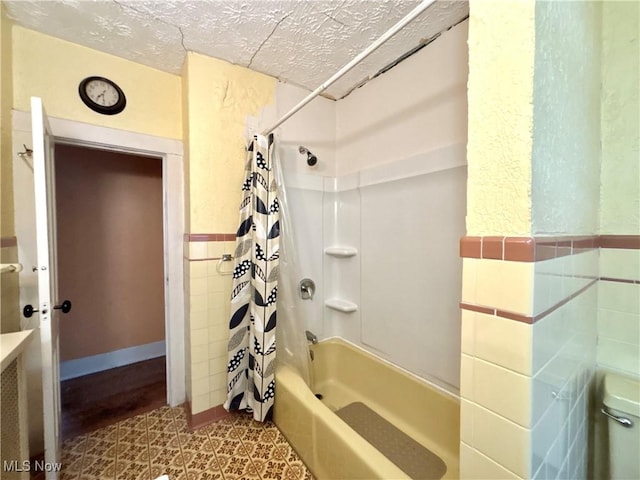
pixel 102 95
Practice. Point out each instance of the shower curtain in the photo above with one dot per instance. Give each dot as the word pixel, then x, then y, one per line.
pixel 252 336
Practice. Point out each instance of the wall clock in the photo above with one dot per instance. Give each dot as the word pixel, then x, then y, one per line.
pixel 102 95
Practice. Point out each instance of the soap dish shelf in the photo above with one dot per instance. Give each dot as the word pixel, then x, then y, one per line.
pixel 340 305
pixel 341 252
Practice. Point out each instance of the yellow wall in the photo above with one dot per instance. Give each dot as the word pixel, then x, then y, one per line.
pixel 620 194
pixel 565 159
pixel 619 302
pixel 7 227
pixel 500 89
pixel 185 141
pixel 50 68
pixel 9 305
pixel 220 98
pixel 534 167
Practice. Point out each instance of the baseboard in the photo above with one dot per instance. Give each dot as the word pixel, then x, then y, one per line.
pixel 105 361
pixel 205 418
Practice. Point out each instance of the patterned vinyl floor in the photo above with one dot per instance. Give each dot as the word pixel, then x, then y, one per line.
pixel 159 442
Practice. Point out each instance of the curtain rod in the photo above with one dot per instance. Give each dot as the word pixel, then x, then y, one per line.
pixel 364 54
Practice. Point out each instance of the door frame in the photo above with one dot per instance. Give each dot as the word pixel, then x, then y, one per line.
pixel 71 132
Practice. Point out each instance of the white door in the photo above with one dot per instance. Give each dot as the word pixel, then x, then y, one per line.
pixel 44 186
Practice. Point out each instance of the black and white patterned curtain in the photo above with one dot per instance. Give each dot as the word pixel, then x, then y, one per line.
pixel 252 336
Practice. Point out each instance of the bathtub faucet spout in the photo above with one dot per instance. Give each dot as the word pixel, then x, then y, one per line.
pixel 311 337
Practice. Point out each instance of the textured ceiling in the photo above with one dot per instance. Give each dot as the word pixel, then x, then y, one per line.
pixel 298 41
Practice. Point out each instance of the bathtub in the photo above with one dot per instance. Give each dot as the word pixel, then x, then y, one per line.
pixel 344 374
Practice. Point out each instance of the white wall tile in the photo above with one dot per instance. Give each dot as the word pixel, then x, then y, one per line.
pixel 218 365
pixel 467 333
pixel 199 371
pixel 218 348
pixel 199 353
pixel 505 285
pixel 215 249
pixel 559 350
pixel 621 326
pixel 469 279
pixel 586 264
pixel 568 282
pixel 200 386
pixel 504 342
pixel 517 287
pixel 622 297
pixel 618 321
pixel 217 397
pixel 199 319
pixel 218 333
pixel 199 403
pixel 467 376
pixel 197 303
pixel 503 441
pixel 199 336
pixel 217 301
pixel 564 357
pixel 467 410
pixel 476 466
pixel 620 263
pixel 548 337
pixel 618 355
pixel 502 391
pixel 543 393
pixel 558 278
pixel 552 426
pixel 198 269
pixel 218 380
pixel 558 452
pixel 217 282
pixel 543 283
pixel 198 286
pixel 197 250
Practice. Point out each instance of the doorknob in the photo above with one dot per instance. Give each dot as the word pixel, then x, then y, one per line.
pixel 65 307
pixel 28 310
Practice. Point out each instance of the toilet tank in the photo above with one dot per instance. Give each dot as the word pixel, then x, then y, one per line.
pixel 622 407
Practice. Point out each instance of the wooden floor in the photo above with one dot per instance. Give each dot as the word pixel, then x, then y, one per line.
pixel 104 398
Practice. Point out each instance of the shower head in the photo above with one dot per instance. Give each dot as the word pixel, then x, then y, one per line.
pixel 311 158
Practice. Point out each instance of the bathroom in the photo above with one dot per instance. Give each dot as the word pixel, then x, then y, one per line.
pixel 535 169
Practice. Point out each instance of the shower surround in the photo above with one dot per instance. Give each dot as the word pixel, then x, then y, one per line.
pixel 370 146
pixel 377 223
pixel 392 195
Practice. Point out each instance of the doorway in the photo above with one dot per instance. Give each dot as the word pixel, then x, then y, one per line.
pixel 70 132
pixel 109 212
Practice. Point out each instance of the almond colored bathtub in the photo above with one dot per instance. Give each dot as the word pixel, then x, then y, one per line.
pixel 345 374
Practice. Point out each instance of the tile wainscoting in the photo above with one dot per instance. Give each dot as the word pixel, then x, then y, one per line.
pixel 619 307
pixel 530 314
pixel 10 305
pixel 208 312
